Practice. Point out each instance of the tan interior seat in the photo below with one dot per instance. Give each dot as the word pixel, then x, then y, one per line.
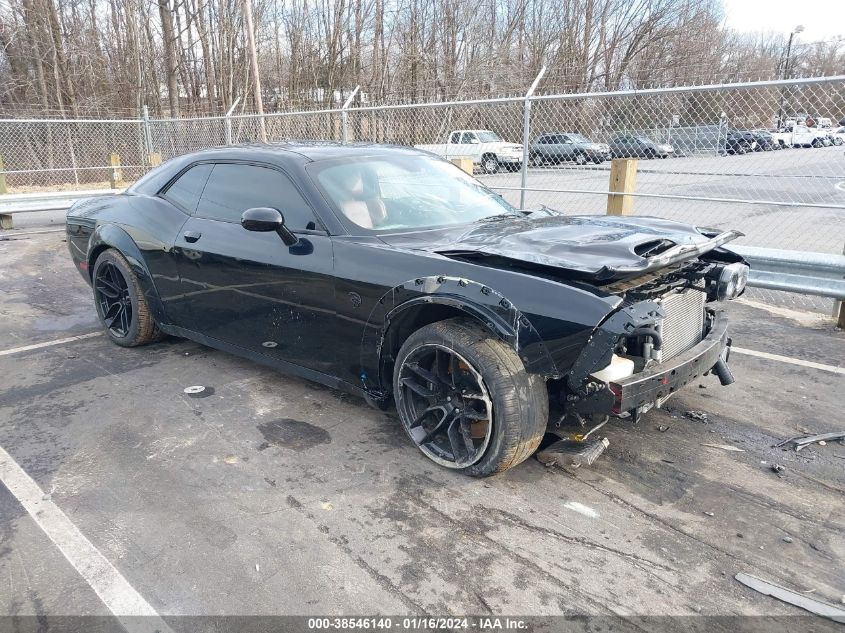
pixel 362 207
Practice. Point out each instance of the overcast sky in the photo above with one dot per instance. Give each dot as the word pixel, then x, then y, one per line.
pixel 822 19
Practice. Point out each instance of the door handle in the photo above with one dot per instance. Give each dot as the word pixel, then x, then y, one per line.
pixel 191 236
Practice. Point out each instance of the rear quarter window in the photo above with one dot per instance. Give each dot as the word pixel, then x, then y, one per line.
pixel 186 190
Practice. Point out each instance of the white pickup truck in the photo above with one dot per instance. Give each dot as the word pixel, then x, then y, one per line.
pixel 797 134
pixel 484 147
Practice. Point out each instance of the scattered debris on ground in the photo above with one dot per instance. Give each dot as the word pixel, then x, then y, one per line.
pixel 725 447
pixel 698 416
pixel 812 605
pixel 572 454
pixel 198 391
pixel 802 441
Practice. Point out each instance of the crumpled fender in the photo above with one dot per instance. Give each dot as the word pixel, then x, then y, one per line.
pixel 480 302
pixel 112 236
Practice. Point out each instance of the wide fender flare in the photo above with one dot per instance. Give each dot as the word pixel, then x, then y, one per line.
pixel 112 236
pixel 478 301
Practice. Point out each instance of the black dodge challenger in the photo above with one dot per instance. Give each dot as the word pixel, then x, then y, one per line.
pixel 390 273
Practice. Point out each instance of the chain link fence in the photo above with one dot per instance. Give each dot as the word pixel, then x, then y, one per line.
pixel 765 157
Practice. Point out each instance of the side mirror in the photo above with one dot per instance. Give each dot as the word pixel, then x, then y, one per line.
pixel 266 220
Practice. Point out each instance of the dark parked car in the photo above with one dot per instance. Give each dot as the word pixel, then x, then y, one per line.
pixel 556 147
pixel 739 143
pixel 391 274
pixel 632 146
pixel 765 141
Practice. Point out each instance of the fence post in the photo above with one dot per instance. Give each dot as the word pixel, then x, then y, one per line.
pixel 227 120
pixel 116 180
pixel 148 135
pixel 623 180
pixel 3 188
pixel 838 307
pixel 344 123
pixel 526 136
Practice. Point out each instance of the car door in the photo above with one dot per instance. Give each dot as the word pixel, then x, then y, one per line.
pixel 248 289
pixel 453 147
pixel 470 146
pixel 540 147
pixel 183 193
pixel 622 147
pixel 564 147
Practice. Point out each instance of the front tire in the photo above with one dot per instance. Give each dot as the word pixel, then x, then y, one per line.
pixel 465 399
pixel 120 302
pixel 490 164
pixel 580 159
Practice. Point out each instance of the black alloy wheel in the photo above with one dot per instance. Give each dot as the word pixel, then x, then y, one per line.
pixel 114 299
pixel 448 405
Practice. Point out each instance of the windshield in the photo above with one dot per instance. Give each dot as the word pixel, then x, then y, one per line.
pixel 406 192
pixel 485 136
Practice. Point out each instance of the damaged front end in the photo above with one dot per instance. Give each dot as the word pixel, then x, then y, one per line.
pixel 664 336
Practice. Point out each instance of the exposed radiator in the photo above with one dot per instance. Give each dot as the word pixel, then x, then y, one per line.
pixel 683 326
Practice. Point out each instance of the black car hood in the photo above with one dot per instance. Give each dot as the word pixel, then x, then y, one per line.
pixel 600 248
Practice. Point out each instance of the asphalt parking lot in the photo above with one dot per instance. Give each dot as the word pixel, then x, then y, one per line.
pixel 275 495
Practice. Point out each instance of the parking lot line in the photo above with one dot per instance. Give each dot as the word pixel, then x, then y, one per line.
pixel 107 582
pixel 60 341
pixel 789 360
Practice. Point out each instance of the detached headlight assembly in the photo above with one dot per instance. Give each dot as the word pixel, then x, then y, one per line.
pixel 731 282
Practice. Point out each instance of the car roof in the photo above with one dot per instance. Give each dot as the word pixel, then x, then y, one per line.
pixel 306 150
pixel 282 154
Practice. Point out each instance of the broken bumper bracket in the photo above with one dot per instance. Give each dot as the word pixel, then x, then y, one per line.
pixel 651 385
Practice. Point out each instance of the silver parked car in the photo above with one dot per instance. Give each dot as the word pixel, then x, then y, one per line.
pixel 556 147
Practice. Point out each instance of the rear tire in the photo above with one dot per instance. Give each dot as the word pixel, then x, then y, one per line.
pixel 484 380
pixel 120 302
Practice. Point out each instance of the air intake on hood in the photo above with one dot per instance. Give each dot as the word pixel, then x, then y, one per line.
pixel 653 247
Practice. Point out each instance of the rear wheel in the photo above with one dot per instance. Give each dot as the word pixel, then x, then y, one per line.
pixel 537 160
pixel 580 159
pixel 120 302
pixel 465 399
pixel 489 163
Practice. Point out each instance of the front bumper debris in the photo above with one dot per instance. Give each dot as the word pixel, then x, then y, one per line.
pixel 657 383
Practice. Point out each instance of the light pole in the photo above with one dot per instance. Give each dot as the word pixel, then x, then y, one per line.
pixel 795 31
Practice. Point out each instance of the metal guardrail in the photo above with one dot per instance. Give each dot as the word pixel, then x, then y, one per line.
pixel 47 201
pixel 11 204
pixel 818 274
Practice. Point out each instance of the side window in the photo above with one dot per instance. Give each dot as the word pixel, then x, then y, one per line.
pixel 469 137
pixel 234 188
pixel 455 138
pixel 185 192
